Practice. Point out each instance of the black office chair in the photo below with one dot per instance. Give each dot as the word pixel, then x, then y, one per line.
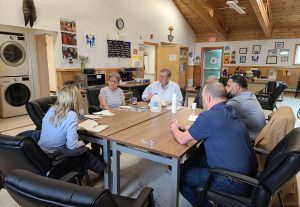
pixel 24 153
pixel 28 189
pixel 298 88
pixel 37 109
pixel 268 100
pixel 256 73
pixel 93 100
pixel 281 165
pixel 183 93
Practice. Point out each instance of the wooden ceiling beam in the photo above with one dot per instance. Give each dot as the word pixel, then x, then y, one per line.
pixel 198 9
pixel 262 16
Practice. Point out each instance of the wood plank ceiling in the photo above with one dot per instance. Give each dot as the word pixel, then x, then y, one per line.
pixel 274 19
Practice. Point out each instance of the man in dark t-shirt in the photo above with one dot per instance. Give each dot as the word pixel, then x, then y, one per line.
pixel 226 145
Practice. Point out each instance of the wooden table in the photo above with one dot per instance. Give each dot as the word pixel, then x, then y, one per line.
pixel 120 121
pixel 152 140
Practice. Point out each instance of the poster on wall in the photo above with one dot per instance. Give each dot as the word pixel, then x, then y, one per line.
pixel 254 58
pixel 69 53
pixel 136 61
pixel 90 41
pixel 233 61
pixel 68 38
pixel 67 25
pixel 226 59
pixel 225 72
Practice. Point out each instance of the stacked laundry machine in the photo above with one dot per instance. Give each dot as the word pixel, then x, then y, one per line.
pixel 15 82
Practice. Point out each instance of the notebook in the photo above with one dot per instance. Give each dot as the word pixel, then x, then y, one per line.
pixel 92 126
pixel 192 118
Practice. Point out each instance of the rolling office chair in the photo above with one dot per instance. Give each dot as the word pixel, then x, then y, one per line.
pixel 37 109
pixel 268 100
pixel 24 153
pixel 93 100
pixel 281 165
pixel 28 189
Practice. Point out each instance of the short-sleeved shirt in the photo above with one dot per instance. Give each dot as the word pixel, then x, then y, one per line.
pixel 250 111
pixel 226 140
pixel 165 93
pixel 114 99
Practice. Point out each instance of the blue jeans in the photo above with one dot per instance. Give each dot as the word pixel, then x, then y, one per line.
pixel 195 173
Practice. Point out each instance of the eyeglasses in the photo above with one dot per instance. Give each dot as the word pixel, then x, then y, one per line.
pixel 113 81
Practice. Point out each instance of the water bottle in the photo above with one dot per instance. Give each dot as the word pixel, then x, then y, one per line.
pixel 155 104
pixel 174 103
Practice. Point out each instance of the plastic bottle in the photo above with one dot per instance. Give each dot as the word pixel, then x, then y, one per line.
pixel 155 104
pixel 174 103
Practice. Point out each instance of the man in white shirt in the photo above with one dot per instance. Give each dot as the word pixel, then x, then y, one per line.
pixel 164 88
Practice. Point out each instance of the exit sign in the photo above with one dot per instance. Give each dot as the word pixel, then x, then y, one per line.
pixel 212 39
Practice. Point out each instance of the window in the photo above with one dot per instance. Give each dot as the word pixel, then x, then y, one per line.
pixel 297 55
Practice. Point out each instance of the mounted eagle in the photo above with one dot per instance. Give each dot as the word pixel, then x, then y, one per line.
pixel 29 12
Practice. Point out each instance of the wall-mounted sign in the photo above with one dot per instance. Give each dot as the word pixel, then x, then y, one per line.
pixel 118 49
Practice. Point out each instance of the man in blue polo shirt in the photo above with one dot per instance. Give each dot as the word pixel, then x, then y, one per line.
pixel 226 145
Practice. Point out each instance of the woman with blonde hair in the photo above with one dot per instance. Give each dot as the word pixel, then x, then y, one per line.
pixel 59 128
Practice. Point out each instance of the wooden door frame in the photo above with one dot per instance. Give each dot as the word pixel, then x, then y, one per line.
pixel 203 60
pixel 156 46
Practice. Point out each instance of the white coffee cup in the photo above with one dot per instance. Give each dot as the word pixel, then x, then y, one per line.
pixel 194 105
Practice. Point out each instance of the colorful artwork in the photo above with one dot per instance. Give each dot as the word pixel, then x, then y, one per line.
pixel 69 53
pixel 90 40
pixel 68 38
pixel 67 25
pixel 233 57
pixel 226 59
pixel 254 58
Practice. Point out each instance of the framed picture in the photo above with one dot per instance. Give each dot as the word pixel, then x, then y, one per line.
pixel 256 49
pixel 272 52
pixel 242 59
pixel 254 58
pixel 271 60
pixel 284 58
pixel 67 25
pixel 243 51
pixel 279 45
pixel 284 52
pixel 68 38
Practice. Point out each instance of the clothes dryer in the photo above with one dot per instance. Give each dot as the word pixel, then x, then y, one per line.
pixel 14 93
pixel 13 55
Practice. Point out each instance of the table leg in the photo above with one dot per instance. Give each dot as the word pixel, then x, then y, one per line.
pixel 107 160
pixel 186 99
pixel 175 182
pixel 116 169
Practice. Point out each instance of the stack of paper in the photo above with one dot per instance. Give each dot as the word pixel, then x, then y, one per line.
pixel 90 116
pixel 104 113
pixel 126 107
pixel 92 126
pixel 193 118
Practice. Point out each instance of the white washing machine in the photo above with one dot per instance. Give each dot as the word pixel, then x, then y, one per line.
pixel 14 93
pixel 13 55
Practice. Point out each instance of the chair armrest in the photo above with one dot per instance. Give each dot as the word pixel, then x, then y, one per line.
pixel 240 177
pixel 262 96
pixel 93 108
pixel 261 151
pixel 71 177
pixel 145 197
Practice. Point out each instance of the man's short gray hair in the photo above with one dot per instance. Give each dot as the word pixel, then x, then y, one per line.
pixel 116 75
pixel 167 71
pixel 215 89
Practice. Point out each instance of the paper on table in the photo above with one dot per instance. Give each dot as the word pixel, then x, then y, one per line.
pixel 104 113
pixel 178 108
pixel 90 116
pixel 193 117
pixel 92 126
pixel 125 107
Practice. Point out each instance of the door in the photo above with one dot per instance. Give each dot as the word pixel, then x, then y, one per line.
pixel 212 62
pixel 168 56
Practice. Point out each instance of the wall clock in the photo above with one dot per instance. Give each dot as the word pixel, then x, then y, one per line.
pixel 120 23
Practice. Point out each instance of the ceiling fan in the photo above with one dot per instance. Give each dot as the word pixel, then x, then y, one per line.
pixel 233 4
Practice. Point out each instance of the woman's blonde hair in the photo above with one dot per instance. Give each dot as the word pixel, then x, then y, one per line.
pixel 69 99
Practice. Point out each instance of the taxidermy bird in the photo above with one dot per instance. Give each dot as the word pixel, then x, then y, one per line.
pixel 29 12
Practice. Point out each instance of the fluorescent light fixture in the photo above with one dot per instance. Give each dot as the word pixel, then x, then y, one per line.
pixel 233 5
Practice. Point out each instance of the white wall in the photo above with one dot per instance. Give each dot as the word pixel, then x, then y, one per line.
pixel 265 46
pixel 98 17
